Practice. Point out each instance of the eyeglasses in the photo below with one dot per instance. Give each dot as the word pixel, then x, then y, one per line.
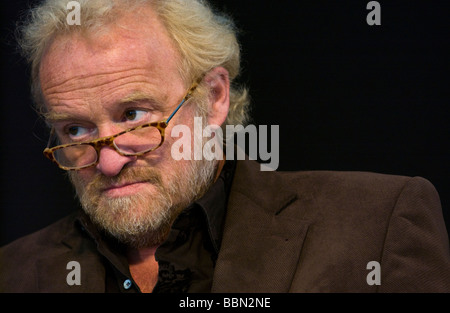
pixel 135 141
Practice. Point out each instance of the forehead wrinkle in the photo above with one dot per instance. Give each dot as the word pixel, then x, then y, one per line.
pixel 96 80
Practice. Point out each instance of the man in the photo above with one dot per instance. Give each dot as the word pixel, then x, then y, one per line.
pixel 114 89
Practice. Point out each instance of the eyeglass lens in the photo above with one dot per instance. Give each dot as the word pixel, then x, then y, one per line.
pixel 131 143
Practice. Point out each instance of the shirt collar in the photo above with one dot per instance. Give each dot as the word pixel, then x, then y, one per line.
pixel 214 203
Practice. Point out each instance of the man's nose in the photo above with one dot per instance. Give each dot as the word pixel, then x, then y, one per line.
pixel 110 162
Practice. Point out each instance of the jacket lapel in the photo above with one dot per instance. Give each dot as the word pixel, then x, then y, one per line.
pixel 263 234
pixel 55 273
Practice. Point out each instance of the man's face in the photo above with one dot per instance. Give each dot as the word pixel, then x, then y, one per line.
pixel 98 86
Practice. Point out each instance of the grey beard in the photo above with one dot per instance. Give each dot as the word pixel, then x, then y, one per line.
pixel 144 220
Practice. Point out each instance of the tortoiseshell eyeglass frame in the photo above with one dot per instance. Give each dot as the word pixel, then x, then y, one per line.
pixel 108 141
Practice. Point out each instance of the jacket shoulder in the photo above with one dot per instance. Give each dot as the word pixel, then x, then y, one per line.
pixel 19 258
pixel 346 186
pixel 349 219
pixel 46 237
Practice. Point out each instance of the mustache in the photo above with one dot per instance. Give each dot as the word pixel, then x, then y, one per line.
pixel 126 176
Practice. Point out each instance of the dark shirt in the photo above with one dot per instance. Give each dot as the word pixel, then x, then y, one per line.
pixel 187 258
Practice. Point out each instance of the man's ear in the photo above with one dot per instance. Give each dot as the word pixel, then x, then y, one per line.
pixel 218 82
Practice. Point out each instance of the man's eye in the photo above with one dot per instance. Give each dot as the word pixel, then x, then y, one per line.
pixel 135 115
pixel 76 131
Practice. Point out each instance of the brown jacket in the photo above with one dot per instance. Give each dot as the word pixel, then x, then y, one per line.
pixel 284 232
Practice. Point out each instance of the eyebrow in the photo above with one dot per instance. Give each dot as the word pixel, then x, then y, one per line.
pixel 52 117
pixel 138 96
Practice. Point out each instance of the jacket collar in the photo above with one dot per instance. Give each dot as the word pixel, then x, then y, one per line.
pixel 56 263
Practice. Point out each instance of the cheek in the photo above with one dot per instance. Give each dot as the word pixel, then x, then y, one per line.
pixel 163 161
pixel 183 130
pixel 80 179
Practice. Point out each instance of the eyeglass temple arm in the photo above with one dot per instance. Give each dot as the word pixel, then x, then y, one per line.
pixel 188 95
pixel 52 133
pixel 176 110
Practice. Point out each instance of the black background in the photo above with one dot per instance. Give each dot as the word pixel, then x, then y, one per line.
pixel 347 96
